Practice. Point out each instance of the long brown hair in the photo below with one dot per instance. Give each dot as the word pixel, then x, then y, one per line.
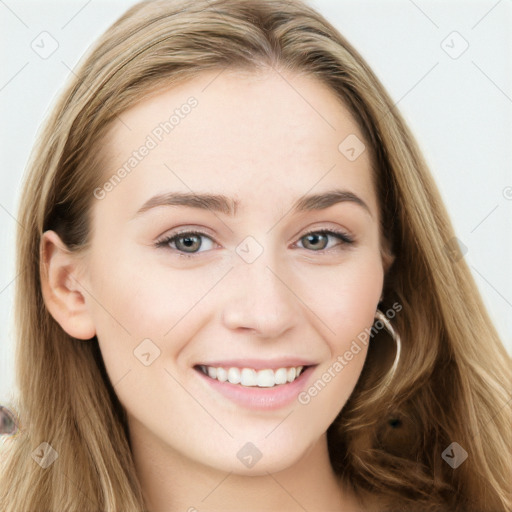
pixel 451 384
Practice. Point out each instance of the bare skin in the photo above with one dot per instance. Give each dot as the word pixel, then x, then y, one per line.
pixel 266 144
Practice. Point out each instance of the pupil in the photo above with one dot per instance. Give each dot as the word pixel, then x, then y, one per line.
pixel 188 241
pixel 313 239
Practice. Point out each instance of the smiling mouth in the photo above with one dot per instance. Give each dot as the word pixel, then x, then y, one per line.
pixel 250 377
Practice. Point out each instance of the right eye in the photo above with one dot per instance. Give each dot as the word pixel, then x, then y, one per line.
pixel 185 243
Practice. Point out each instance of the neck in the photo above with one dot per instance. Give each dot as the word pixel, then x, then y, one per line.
pixel 171 482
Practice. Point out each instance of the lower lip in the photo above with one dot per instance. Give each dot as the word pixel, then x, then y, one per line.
pixel 261 398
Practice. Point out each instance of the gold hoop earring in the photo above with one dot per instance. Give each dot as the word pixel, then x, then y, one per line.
pixel 380 316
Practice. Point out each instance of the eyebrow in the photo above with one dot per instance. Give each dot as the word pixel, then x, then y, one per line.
pixel 221 203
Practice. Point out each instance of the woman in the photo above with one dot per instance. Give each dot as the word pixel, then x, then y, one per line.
pixel 187 339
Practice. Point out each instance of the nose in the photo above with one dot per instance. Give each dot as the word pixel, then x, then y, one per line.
pixel 259 298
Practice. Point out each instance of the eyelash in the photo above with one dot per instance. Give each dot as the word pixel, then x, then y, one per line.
pixel 164 243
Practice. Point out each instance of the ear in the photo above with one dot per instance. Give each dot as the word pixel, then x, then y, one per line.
pixel 387 255
pixel 62 292
pixel 387 261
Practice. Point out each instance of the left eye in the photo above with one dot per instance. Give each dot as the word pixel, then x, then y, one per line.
pixel 314 237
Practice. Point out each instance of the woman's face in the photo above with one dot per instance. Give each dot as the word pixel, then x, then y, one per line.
pixel 253 290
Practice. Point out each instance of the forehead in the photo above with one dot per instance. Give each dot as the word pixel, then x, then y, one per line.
pixel 257 136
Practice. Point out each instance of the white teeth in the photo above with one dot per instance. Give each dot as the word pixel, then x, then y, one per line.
pixel 234 375
pixel 281 376
pixel 252 378
pixel 266 378
pixel 222 374
pixel 248 377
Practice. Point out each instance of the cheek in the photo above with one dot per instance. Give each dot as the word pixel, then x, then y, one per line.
pixel 134 301
pixel 345 296
pixel 347 309
pixel 147 299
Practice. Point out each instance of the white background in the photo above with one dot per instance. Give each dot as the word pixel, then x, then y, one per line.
pixel 460 110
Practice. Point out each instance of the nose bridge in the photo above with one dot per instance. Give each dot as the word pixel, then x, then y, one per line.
pixel 258 298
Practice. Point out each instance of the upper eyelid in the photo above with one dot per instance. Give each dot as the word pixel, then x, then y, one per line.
pixel 167 238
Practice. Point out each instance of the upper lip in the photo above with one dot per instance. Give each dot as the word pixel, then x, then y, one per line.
pixel 259 364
